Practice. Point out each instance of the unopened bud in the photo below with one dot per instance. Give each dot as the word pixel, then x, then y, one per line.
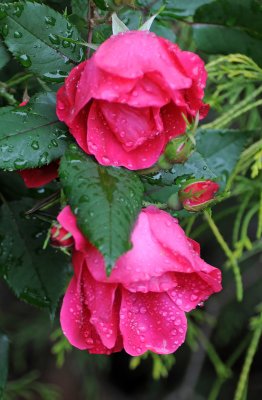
pixel 179 149
pixel 59 237
pixel 196 195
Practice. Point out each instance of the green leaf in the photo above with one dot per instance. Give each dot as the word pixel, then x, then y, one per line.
pixel 80 7
pixel 102 4
pixel 215 157
pixel 227 26
pixel 4 349
pixel 217 153
pixel 31 32
pixel 105 200
pixel 35 275
pixel 101 33
pixel 31 136
pixel 4 56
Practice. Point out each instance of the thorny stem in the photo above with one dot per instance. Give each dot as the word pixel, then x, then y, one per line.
pixel 228 253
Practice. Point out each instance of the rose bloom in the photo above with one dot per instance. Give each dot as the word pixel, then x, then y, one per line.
pixel 142 305
pixel 125 103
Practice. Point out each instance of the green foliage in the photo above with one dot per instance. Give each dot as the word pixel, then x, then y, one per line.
pixel 4 348
pixel 228 26
pixel 105 200
pixel 36 42
pixel 4 56
pixel 161 364
pixel 35 275
pixel 28 387
pixel 80 7
pixel 31 136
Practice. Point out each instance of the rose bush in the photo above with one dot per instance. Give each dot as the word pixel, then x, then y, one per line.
pixel 142 305
pixel 127 101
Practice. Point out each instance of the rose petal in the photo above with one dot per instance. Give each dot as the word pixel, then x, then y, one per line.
pixel 194 288
pixel 109 151
pixel 145 55
pixel 75 314
pixel 174 123
pixel 131 126
pixel 36 177
pixel 104 308
pixel 152 322
pixel 68 221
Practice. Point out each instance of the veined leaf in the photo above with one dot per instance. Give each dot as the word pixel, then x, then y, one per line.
pixel 105 200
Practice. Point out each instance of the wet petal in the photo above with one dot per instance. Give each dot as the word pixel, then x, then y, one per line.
pixel 195 288
pixel 68 221
pixel 108 150
pixel 152 322
pixel 36 177
pixel 145 54
pixel 131 126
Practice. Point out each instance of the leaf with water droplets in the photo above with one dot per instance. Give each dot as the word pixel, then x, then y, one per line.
pixel 35 275
pixel 35 42
pixel 105 200
pixel 217 153
pixel 31 136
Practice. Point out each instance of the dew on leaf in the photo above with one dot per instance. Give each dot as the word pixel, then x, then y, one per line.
pixel 5 30
pixel 54 39
pixel 50 21
pixel 35 145
pixel 17 34
pixel 25 60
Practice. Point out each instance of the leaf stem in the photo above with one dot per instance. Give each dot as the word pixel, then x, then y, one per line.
pixel 249 359
pixel 228 253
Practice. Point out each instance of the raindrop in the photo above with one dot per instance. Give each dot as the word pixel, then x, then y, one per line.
pixel 25 60
pixel 19 163
pixel 17 34
pixel 50 21
pixel 18 10
pixel 5 30
pixel 35 145
pixel 65 43
pixel 54 39
pixel 54 143
pixel 43 158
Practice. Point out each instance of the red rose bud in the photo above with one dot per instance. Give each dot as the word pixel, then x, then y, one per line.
pixel 59 237
pixel 197 195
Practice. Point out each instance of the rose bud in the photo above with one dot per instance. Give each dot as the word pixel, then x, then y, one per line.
pixel 60 237
pixel 178 150
pixel 197 195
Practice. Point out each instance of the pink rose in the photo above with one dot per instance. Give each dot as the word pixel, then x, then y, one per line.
pixel 125 103
pixel 142 305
